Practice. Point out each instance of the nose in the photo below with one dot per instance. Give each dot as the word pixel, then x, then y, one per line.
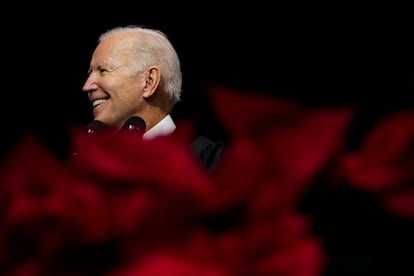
pixel 89 85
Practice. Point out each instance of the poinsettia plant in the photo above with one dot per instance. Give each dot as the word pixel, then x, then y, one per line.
pixel 127 206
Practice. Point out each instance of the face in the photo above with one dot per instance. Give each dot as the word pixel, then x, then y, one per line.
pixel 114 88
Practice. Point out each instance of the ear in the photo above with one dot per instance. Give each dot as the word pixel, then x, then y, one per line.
pixel 152 80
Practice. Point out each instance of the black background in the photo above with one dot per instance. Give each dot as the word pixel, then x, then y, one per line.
pixel 315 54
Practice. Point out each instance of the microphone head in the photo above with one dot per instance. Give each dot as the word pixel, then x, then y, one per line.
pixel 94 126
pixel 134 124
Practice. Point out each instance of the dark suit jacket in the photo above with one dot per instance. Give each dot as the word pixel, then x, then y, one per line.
pixel 208 152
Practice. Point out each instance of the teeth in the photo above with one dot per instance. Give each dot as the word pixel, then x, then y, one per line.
pixel 98 102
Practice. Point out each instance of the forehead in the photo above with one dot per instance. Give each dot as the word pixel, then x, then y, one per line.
pixel 117 47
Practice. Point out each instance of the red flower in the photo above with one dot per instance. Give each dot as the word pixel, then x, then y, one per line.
pixel 147 207
pixel 286 144
pixel 384 164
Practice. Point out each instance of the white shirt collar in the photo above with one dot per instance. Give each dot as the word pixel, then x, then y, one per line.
pixel 164 127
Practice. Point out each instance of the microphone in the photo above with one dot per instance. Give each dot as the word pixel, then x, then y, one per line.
pixel 94 127
pixel 134 124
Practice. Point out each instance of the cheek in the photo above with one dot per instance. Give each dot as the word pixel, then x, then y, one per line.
pixel 129 90
pixel 132 95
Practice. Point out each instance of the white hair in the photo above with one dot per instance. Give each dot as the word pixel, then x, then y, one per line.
pixel 154 48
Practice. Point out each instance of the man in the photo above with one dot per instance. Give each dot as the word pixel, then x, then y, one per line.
pixel 135 73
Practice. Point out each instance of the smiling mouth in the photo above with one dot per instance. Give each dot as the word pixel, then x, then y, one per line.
pixel 95 103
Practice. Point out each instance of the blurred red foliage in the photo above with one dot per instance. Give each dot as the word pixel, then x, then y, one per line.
pixel 126 206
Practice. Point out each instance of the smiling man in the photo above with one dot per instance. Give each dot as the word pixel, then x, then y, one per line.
pixel 135 72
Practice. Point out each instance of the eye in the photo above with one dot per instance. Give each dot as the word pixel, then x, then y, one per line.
pixel 103 70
